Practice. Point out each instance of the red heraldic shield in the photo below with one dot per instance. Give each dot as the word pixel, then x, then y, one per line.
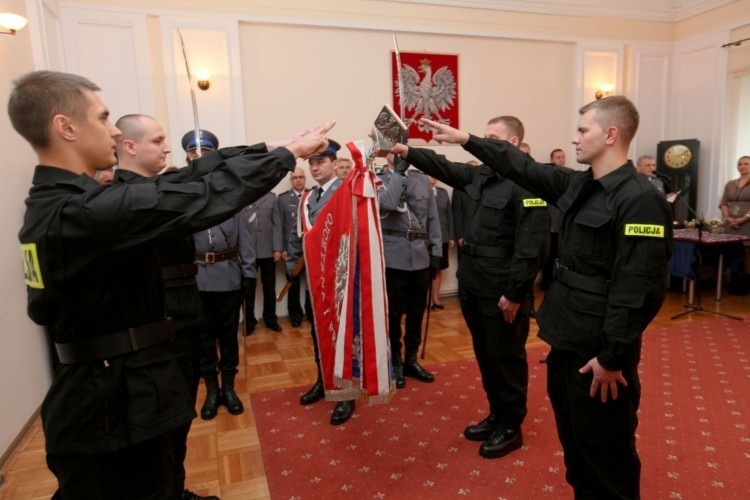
pixel 346 275
pixel 430 90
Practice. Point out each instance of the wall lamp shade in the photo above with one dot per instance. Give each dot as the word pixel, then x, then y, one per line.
pixel 203 79
pixel 10 23
pixel 604 91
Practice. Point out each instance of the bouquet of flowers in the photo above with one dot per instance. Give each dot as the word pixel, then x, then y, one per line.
pixel 713 225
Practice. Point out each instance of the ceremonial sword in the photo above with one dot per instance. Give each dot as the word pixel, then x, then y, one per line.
pixel 198 149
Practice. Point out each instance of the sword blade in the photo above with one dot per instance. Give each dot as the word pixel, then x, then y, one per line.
pixel 197 126
pixel 401 110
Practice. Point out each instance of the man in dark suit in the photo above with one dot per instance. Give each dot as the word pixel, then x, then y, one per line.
pixel 445 214
pixel 265 225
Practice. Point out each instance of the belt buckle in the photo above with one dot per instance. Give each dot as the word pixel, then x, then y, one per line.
pixel 210 257
pixel 410 235
pixel 559 266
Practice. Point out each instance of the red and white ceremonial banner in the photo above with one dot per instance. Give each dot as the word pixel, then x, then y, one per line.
pixel 430 90
pixel 346 274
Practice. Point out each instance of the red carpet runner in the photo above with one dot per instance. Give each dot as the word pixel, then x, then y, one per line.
pixel 694 435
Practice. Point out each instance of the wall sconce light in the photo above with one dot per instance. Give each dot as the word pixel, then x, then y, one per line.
pixel 203 79
pixel 604 91
pixel 10 23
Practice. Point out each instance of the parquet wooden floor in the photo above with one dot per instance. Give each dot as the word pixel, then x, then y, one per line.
pixel 224 456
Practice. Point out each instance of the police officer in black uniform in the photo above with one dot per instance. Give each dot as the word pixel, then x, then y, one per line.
pixel 142 151
pixel 504 242
pixel 615 241
pixel 94 279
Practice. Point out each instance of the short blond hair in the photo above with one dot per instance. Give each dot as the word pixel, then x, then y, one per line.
pixel 615 111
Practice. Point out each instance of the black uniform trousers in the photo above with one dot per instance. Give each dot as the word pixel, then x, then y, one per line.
pixel 144 471
pixel 267 270
pixel 500 349
pixel 186 348
pixel 598 438
pixel 294 306
pixel 313 332
pixel 222 311
pixel 407 294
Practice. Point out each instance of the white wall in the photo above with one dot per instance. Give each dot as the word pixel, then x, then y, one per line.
pixel 24 366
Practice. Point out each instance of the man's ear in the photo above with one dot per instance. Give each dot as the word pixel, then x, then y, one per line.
pixel 64 127
pixel 514 140
pixel 128 146
pixel 612 134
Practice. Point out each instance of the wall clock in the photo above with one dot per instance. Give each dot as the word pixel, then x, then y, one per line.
pixel 677 161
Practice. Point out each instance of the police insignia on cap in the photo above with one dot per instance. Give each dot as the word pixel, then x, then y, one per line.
pixel 207 140
pixel 330 151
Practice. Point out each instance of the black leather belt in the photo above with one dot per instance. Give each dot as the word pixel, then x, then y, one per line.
pixel 115 344
pixel 409 235
pixel 211 257
pixel 179 271
pixel 582 282
pixel 486 251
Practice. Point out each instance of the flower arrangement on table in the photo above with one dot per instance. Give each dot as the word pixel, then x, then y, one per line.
pixel 713 225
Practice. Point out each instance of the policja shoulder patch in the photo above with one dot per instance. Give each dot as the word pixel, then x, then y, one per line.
pixel 649 230
pixel 32 274
pixel 534 202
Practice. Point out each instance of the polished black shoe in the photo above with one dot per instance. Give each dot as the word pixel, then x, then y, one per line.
pixel 438 306
pixel 232 402
pixel 414 370
pixel 249 328
pixel 274 326
pixel 502 442
pixel 483 430
pixel 189 495
pixel 342 412
pixel 296 322
pixel 315 394
pixel 211 405
pixel 400 380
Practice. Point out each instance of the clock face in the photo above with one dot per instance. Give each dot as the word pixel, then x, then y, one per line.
pixel 678 156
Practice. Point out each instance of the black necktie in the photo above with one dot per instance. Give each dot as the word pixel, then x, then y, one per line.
pixel 320 193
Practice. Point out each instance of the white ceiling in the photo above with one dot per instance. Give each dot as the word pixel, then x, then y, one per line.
pixel 642 10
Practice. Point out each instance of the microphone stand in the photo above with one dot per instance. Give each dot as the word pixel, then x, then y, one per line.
pixel 695 285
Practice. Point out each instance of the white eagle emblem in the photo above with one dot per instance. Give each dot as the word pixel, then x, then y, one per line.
pixel 427 96
pixel 342 267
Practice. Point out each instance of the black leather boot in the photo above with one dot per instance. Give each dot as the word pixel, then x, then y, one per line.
pixel 398 370
pixel 213 399
pixel 413 369
pixel 483 430
pixel 229 397
pixel 315 394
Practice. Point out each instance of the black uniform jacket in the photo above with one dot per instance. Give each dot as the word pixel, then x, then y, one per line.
pixel 91 270
pixel 617 231
pixel 505 233
pixel 182 298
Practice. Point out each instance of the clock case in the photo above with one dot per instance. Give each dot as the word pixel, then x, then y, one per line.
pixel 684 179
